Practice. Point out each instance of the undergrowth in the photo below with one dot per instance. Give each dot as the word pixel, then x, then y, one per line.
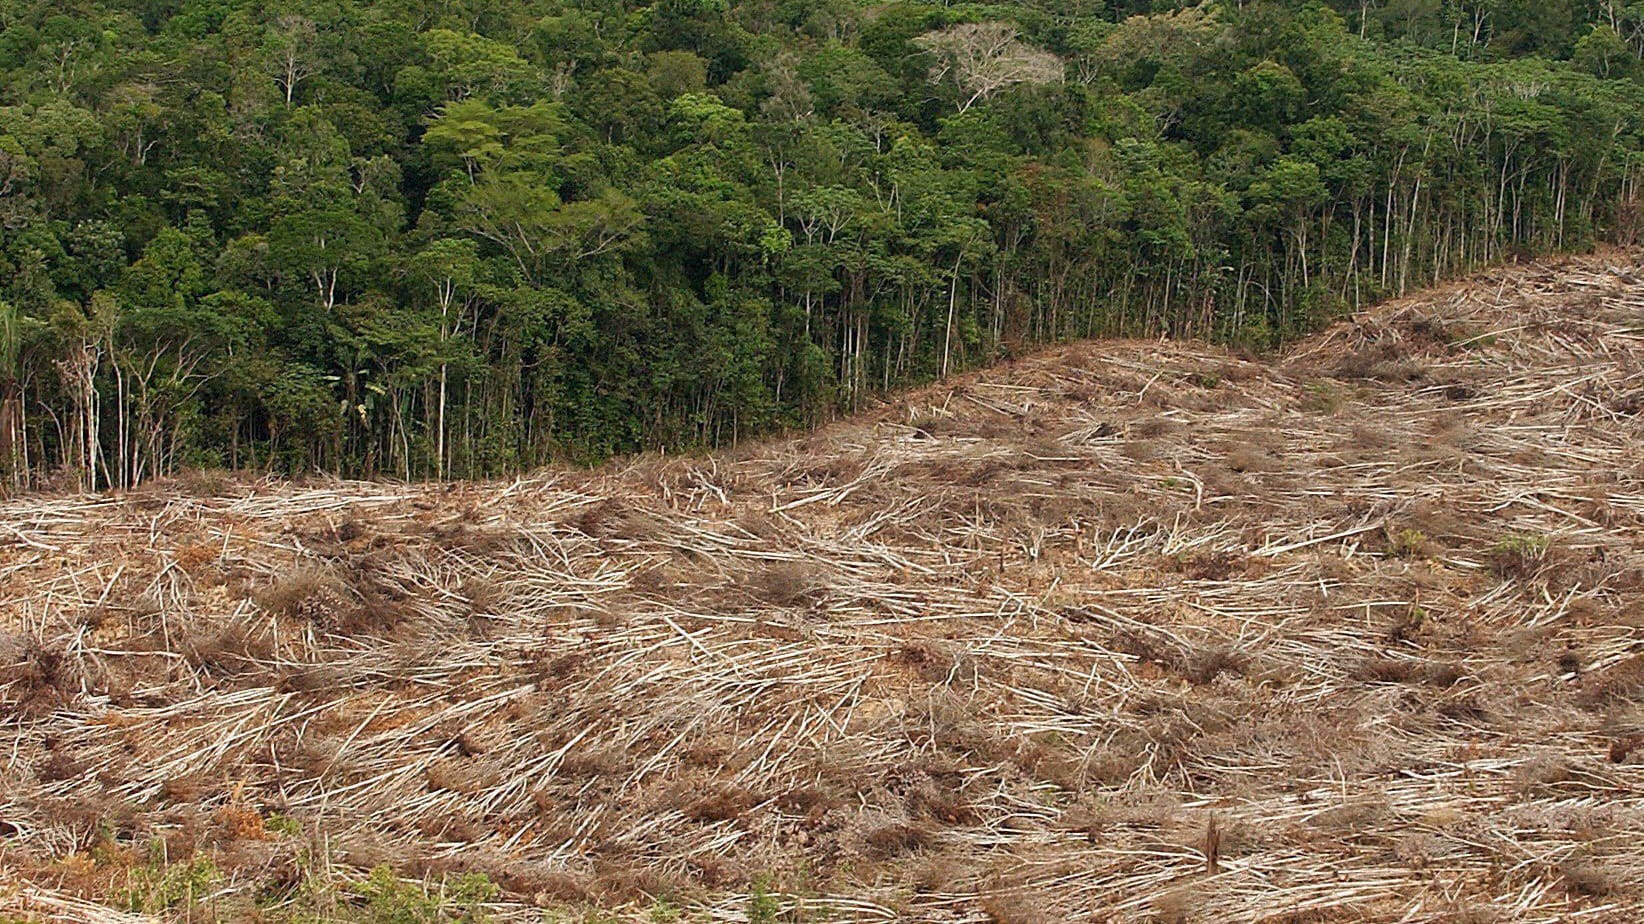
pixel 197 889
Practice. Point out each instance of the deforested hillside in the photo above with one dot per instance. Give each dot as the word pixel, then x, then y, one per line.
pixel 456 239
pixel 1130 631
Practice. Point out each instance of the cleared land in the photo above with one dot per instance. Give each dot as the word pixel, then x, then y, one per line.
pixel 1124 631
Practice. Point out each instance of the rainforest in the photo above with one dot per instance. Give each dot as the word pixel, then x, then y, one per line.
pixel 420 239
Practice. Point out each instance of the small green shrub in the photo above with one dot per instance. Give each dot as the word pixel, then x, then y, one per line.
pixel 1408 543
pixel 158 886
pixel 763 905
pixel 388 899
pixel 283 824
pixel 1519 555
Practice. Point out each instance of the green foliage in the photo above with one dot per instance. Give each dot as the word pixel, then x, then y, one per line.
pixel 158 886
pixel 388 239
pixel 283 825
pixel 389 900
pixel 1407 543
pixel 1519 555
pixel 764 906
pixel 1524 544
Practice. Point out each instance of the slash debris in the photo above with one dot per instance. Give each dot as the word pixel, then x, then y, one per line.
pixel 1124 631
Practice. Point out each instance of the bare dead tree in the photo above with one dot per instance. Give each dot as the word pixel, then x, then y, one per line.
pixel 985 58
pixel 291 46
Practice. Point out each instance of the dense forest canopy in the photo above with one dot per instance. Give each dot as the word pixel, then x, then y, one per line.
pixel 421 238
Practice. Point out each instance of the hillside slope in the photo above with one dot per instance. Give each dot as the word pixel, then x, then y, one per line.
pixel 1125 631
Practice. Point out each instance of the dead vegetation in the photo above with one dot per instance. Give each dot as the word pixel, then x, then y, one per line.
pixel 1127 632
